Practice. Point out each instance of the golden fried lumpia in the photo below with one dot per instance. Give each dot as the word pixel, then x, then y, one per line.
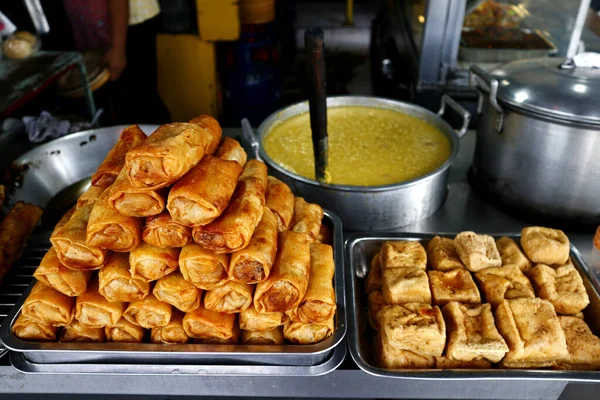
pixel 162 231
pixel 15 228
pixel 93 310
pixel 54 274
pixel 70 243
pixel 233 229
pixel 307 218
pixel 115 160
pixel 63 220
pixel 286 286
pixel 152 263
pixel 78 332
pixel 252 320
pixel 167 154
pixel 204 192
pixel 299 333
pixel 91 195
pixel 133 201
pixel 253 263
pixel 272 337
pixel 318 304
pixel 116 284
pixel 229 297
pixel 109 229
pixel 173 332
pixel 29 329
pixel 175 290
pixel 325 235
pixel 211 326
pixel 280 200
pixel 230 149
pixel 212 126
pixel 125 332
pixel 201 267
pixel 49 306
pixel 149 313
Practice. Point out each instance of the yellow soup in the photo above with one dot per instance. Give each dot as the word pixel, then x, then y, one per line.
pixel 367 146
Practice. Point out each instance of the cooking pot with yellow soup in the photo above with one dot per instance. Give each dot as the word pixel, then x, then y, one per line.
pixel 388 161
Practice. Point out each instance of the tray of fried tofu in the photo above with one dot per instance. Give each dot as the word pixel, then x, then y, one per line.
pixel 472 306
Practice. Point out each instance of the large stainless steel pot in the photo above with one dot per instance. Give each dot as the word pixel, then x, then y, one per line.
pixel 374 207
pixel 538 139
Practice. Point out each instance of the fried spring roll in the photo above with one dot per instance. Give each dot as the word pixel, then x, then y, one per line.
pixel 91 195
pixel 70 243
pixel 14 231
pixel 233 229
pixel 109 229
pixel 273 337
pixel 204 192
pixel 125 332
pixel 230 297
pixel 280 200
pixel 78 332
pixel 176 291
pixel 318 304
pixel 63 220
pixel 162 231
pixel 49 306
pixel 253 263
pixel 325 235
pixel 93 310
pixel 203 268
pixel 211 326
pixel 212 125
pixel 133 201
pixel 149 313
pixel 26 328
pixel 116 283
pixel 173 332
pixel 152 263
pixel 230 149
pixel 115 160
pixel 54 274
pixel 252 320
pixel 167 154
pixel 299 333
pixel 307 218
pixel 286 286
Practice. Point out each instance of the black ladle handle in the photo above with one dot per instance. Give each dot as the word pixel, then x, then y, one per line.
pixel 317 99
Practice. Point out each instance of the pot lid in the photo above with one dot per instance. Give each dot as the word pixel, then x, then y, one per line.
pixel 541 86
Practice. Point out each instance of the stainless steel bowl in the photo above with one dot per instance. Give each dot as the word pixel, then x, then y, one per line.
pixel 372 207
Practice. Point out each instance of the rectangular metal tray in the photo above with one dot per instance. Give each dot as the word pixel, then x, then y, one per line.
pixel 147 353
pixel 360 250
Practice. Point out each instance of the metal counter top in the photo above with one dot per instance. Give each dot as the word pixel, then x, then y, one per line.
pixel 464 210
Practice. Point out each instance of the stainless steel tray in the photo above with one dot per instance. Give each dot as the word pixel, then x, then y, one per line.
pixel 22 364
pixel 147 353
pixel 360 250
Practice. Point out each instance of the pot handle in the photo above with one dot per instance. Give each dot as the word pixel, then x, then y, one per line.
pixel 485 82
pixel 453 104
pixel 249 138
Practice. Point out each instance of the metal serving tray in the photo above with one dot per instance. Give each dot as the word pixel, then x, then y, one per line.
pixel 203 354
pixel 360 250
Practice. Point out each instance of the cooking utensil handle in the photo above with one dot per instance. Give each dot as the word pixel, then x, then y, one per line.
pixel 453 104
pixel 482 80
pixel 249 138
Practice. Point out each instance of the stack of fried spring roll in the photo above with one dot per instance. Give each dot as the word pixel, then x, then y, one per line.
pixel 120 301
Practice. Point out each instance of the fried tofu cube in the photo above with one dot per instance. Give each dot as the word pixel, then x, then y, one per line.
pixel 503 283
pixel 417 328
pixel 448 363
pixel 405 285
pixel 472 334
pixel 454 285
pixel 533 333
pixel 511 254
pixel 403 254
pixel 545 245
pixel 375 303
pixel 477 252
pixel 583 345
pixel 390 357
pixel 442 254
pixel 562 286
pixel 373 281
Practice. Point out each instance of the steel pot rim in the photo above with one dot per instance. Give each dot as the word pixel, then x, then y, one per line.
pixel 369 101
